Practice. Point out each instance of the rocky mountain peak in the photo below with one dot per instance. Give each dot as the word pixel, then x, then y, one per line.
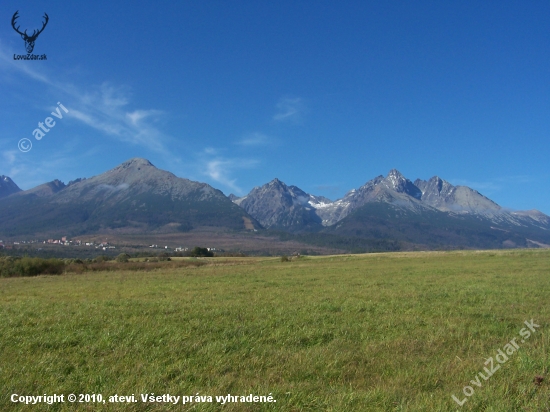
pixel 133 165
pixel 434 188
pixel 444 196
pixel 276 205
pixel 396 173
pixel 6 179
pixel 7 186
pixel 137 172
pixel 136 162
pixel 396 181
pixel 276 183
pixel 438 182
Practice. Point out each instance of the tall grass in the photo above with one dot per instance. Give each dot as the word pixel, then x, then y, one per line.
pixel 389 332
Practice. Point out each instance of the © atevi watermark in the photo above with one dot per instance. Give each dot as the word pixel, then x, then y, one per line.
pixel 501 357
pixel 25 144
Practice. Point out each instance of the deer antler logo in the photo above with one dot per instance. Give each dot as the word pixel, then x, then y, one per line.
pixel 29 40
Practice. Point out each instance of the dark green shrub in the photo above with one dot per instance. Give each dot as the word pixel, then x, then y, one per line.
pixel 26 266
pixel 123 258
pixel 201 252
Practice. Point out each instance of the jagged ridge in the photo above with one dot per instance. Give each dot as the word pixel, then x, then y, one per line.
pixel 436 206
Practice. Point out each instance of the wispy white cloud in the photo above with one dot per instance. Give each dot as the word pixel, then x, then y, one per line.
pixel 109 109
pixel 105 107
pixel 105 110
pixel 114 97
pixel 137 116
pixel 83 117
pixel 222 169
pixel 289 109
pixel 255 139
pixel 219 170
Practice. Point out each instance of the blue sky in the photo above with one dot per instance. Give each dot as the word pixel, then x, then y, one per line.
pixel 324 95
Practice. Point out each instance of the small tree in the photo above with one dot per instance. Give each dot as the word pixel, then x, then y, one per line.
pixel 123 258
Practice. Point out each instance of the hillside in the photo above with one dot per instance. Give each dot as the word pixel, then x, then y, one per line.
pixel 133 197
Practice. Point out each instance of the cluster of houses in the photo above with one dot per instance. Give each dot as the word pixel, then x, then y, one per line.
pixel 103 245
pixel 63 241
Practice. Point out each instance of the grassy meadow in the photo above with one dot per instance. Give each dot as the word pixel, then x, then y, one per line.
pixel 377 332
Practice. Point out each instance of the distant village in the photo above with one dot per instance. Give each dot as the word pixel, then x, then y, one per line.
pixel 64 241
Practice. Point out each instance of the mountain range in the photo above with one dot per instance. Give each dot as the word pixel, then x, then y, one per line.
pixel 133 197
pixel 430 214
pixel 386 213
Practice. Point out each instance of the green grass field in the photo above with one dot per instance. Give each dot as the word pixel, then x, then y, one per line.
pixel 379 332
